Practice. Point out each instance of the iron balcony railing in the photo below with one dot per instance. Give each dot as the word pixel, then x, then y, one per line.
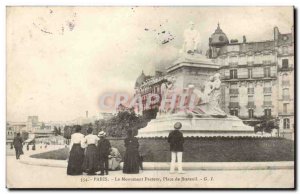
pixel 234 105
pixel 251 104
pixel 233 91
pixel 267 103
pixel 286 97
pixel 250 90
pixel 286 83
pixel 268 90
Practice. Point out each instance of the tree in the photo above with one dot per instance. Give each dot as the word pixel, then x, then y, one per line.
pixel 59 131
pixel 55 131
pixel 266 124
pixel 24 135
pixel 43 125
pixel 67 133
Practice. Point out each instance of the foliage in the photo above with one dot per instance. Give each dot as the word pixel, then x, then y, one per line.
pixel 266 124
pixel 24 135
pixel 57 131
pixel 116 126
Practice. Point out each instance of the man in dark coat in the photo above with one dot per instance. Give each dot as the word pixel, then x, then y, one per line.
pixel 18 144
pixel 104 151
pixel 176 141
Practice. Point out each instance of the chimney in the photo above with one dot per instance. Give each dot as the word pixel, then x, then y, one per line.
pixel 244 39
pixel 87 114
pixel 276 33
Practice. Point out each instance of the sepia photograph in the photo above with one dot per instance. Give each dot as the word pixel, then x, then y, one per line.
pixel 139 97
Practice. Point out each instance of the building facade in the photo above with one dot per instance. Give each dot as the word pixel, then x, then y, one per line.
pixel 257 77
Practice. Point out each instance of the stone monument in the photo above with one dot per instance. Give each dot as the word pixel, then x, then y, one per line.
pixel 192 96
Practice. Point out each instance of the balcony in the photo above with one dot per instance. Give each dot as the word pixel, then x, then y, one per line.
pixel 286 97
pixel 268 90
pixel 251 105
pixel 285 68
pixel 233 91
pixel 267 103
pixel 250 90
pixel 233 63
pixel 286 83
pixel 234 105
pixel 250 62
pixel 267 62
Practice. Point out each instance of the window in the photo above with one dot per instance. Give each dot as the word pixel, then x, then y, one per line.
pixel 234 102
pixel 250 60
pixel 267 59
pixel 251 102
pixel 286 123
pixel 267 100
pixel 285 107
pixel 286 94
pixel 285 63
pixel 234 99
pixel 267 97
pixel 233 60
pixel 249 73
pixel 258 59
pixel 233 74
pixel 242 60
pixel 234 112
pixel 267 72
pixel 234 88
pixel 250 99
pixel 251 113
pixel 285 80
pixel 250 88
pixel 285 50
pixel 268 112
pixel 267 87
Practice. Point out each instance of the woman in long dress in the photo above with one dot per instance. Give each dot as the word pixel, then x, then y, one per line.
pixel 90 163
pixel 132 157
pixel 77 153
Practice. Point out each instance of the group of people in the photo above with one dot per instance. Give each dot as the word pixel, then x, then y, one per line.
pixel 93 154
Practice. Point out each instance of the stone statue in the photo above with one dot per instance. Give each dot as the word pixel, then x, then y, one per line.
pixel 191 39
pixel 166 91
pixel 208 103
pixel 215 97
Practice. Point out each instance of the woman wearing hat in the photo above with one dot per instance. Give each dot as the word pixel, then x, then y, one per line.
pixel 77 152
pixel 103 151
pixel 176 141
pixel 132 156
pixel 90 163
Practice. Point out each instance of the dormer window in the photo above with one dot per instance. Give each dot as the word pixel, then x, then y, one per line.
pixel 285 38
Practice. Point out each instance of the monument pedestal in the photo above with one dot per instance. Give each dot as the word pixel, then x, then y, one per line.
pixel 192 70
pixel 195 70
pixel 197 127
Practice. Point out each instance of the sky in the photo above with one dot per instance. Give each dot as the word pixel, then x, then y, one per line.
pixel 61 59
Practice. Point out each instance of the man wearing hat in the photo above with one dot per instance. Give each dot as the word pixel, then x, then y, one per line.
pixel 103 150
pixel 176 141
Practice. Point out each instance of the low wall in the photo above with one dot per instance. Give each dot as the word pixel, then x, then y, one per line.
pixel 215 149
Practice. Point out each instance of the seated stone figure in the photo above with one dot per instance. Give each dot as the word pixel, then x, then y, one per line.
pixel 208 103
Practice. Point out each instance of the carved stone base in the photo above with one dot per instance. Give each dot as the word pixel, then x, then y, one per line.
pixel 201 127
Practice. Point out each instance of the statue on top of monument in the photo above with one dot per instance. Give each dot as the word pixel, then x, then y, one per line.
pixel 191 39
